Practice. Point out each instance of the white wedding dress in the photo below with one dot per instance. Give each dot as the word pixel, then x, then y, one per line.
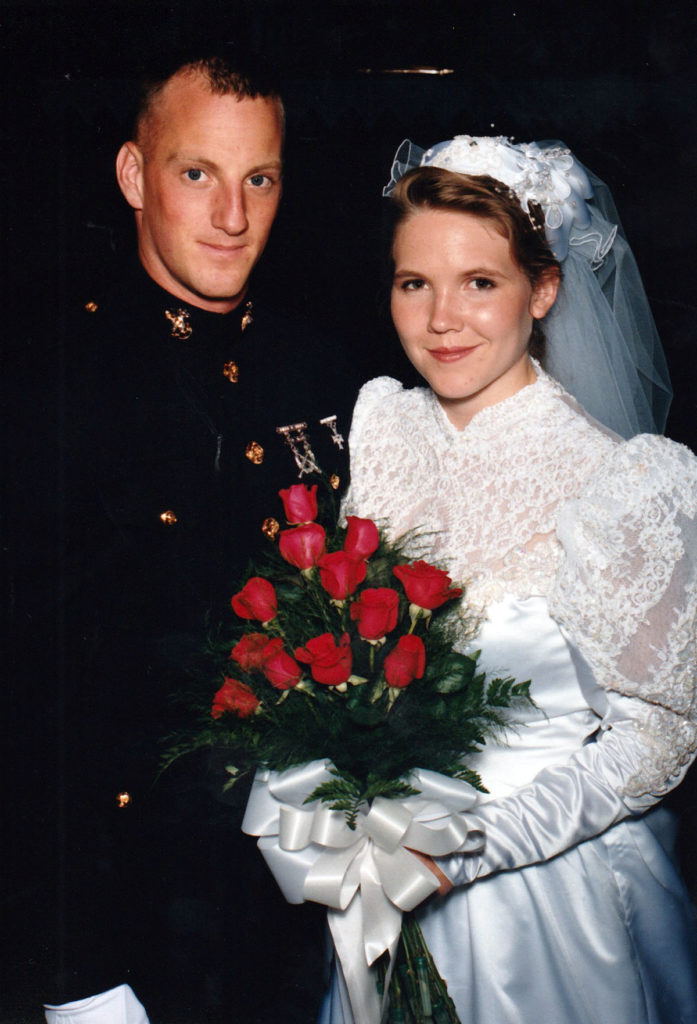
pixel 579 550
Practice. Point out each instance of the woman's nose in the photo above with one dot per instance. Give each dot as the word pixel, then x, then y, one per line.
pixel 445 314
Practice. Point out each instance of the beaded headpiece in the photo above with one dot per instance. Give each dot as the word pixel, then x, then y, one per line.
pixel 548 176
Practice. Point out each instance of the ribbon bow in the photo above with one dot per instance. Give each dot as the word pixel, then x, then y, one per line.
pixel 366 877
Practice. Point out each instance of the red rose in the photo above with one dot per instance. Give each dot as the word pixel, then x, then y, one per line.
pixel 329 663
pixel 300 503
pixel 302 545
pixel 425 585
pixel 234 696
pixel 376 611
pixel 278 666
pixel 340 574
pixel 406 661
pixel 362 537
pixel 256 600
pixel 248 652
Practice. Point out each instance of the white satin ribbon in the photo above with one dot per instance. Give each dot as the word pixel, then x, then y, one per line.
pixel 366 877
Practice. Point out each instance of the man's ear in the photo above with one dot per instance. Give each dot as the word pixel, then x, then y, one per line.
pixel 545 293
pixel 129 173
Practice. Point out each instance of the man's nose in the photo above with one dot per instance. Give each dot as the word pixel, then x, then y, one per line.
pixel 229 211
pixel 445 313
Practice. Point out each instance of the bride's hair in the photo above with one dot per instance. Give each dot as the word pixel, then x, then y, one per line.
pixel 434 188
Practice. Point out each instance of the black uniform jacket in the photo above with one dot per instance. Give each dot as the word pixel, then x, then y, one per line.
pixel 181 427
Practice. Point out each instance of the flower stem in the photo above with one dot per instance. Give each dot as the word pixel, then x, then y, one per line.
pixel 417 991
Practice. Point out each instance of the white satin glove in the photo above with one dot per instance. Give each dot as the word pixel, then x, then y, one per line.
pixel 117 1006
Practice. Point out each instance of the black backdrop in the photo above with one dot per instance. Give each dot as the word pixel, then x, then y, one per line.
pixel 617 81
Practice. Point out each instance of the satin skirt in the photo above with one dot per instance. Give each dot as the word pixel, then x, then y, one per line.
pixel 603 933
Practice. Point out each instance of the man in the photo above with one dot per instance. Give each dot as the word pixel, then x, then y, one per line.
pixel 191 404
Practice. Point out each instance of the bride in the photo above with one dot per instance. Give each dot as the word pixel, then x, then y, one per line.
pixel 577 541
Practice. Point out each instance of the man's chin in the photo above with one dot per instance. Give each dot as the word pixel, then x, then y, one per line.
pixel 216 296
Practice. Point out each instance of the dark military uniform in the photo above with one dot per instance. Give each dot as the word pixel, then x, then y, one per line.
pixel 182 426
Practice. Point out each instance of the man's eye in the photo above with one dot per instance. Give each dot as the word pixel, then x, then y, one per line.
pixel 194 174
pixel 259 180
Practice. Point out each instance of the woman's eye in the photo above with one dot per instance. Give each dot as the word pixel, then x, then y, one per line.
pixel 259 180
pixel 482 283
pixel 412 285
pixel 195 174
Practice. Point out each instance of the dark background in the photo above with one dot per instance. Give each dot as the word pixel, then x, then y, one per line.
pixel 617 82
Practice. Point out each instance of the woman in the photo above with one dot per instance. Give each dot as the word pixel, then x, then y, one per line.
pixel 579 550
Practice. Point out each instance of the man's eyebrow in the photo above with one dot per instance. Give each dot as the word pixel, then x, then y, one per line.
pixel 273 163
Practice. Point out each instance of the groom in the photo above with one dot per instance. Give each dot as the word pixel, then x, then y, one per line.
pixel 193 400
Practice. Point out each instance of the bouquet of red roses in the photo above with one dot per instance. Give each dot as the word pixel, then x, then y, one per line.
pixel 343 661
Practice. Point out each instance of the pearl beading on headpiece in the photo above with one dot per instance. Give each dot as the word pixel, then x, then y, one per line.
pixel 550 177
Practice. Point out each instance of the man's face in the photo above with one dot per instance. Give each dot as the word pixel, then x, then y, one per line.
pixel 205 182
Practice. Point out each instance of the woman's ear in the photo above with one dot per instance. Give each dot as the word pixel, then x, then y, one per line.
pixel 544 293
pixel 129 173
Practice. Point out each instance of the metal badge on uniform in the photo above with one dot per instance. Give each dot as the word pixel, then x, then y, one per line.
pixel 297 440
pixel 337 438
pixel 181 328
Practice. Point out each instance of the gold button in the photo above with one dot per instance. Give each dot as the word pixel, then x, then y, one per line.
pixel 91 307
pixel 168 518
pixel 255 453
pixel 231 371
pixel 334 481
pixel 123 799
pixel 270 527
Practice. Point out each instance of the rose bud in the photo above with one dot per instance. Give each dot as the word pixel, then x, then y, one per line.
pixel 406 661
pixel 329 663
pixel 340 574
pixel 278 666
pixel 303 545
pixel 376 611
pixel 256 600
pixel 362 537
pixel 425 585
pixel 234 696
pixel 300 503
pixel 249 651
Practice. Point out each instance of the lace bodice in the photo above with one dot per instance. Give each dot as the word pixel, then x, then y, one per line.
pixel 533 498
pixel 484 499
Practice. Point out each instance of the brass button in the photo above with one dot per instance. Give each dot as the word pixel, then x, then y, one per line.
pixel 123 799
pixel 169 518
pixel 231 371
pixel 255 453
pixel 91 307
pixel 270 527
pixel 334 481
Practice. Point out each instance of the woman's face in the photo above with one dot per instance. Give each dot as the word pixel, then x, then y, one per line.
pixel 463 309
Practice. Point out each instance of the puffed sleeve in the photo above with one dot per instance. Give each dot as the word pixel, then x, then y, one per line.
pixel 367 446
pixel 626 599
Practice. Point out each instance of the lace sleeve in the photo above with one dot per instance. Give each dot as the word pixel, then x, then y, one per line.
pixel 363 489
pixel 626 596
